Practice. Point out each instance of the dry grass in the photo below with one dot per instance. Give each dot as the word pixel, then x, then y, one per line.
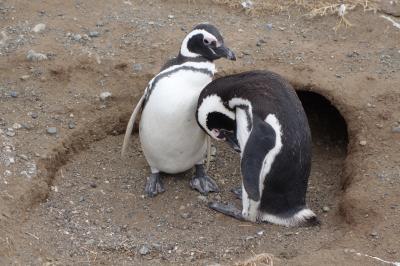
pixel 310 8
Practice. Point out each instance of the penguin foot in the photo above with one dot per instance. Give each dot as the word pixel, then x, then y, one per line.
pixel 154 185
pixel 227 209
pixel 237 192
pixel 203 183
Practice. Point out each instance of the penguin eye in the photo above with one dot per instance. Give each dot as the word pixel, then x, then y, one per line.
pixel 206 42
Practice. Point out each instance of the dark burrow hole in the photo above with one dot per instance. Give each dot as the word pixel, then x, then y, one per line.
pixel 328 126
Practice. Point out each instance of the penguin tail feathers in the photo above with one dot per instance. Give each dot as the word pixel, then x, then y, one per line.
pixel 129 127
pixel 304 217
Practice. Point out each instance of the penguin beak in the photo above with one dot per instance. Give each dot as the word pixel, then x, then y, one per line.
pixel 231 139
pixel 223 51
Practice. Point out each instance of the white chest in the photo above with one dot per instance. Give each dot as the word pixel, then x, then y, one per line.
pixel 170 137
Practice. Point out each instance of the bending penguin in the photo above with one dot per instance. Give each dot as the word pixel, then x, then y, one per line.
pixel 260 115
pixel 171 139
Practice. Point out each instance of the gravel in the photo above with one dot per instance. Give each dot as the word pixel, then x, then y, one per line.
pixel 14 94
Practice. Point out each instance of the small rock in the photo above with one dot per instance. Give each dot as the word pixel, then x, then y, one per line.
pixel 77 37
pixel 325 209
pixel 93 185
pixel 34 115
pixel 81 199
pixel 185 215
pixel 396 129
pixel 33 56
pixel 39 27
pixel 247 4
pixel 144 250
pixel 260 233
pixel 16 126
pixel 10 132
pixel 14 94
pixel 105 95
pixel 94 34
pixel 249 238
pixel 269 26
pixel 71 125
pixel 51 130
pixel 137 67
pixel 24 77
pixel 374 234
pixel 363 142
pixel 171 16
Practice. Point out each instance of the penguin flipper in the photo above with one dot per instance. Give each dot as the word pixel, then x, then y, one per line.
pixel 261 140
pixel 131 123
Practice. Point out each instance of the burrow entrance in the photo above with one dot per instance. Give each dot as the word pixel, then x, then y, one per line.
pixel 96 208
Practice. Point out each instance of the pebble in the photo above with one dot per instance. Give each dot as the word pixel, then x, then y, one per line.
pixel 77 37
pixel 171 16
pixel 10 132
pixel 16 126
pixel 269 26
pixel 105 95
pixel 363 142
pixel 396 129
pixel 94 34
pixel 137 67
pixel 14 94
pixel 374 234
pixel 260 233
pixel 93 185
pixel 326 209
pixel 144 250
pixel 33 56
pixel 24 77
pixel 71 125
pixel 185 215
pixel 34 115
pixel 51 130
pixel 39 27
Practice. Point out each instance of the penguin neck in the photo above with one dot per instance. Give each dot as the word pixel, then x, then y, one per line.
pixel 184 59
pixel 181 59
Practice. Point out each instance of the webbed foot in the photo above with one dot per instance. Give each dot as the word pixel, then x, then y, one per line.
pixel 227 209
pixel 154 185
pixel 203 183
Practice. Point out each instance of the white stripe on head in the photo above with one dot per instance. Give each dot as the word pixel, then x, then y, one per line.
pixel 242 123
pixel 212 103
pixel 206 35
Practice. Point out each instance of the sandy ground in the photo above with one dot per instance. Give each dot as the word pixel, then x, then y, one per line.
pixel 69 199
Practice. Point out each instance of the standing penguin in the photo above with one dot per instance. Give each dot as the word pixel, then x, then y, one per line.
pixel 260 115
pixel 171 139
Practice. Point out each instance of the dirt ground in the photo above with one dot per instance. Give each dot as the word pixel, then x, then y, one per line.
pixel 67 198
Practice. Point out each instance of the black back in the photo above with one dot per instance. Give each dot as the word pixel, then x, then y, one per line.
pixel 285 185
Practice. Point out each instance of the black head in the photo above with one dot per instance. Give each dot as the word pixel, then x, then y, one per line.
pixel 205 41
pixel 217 120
